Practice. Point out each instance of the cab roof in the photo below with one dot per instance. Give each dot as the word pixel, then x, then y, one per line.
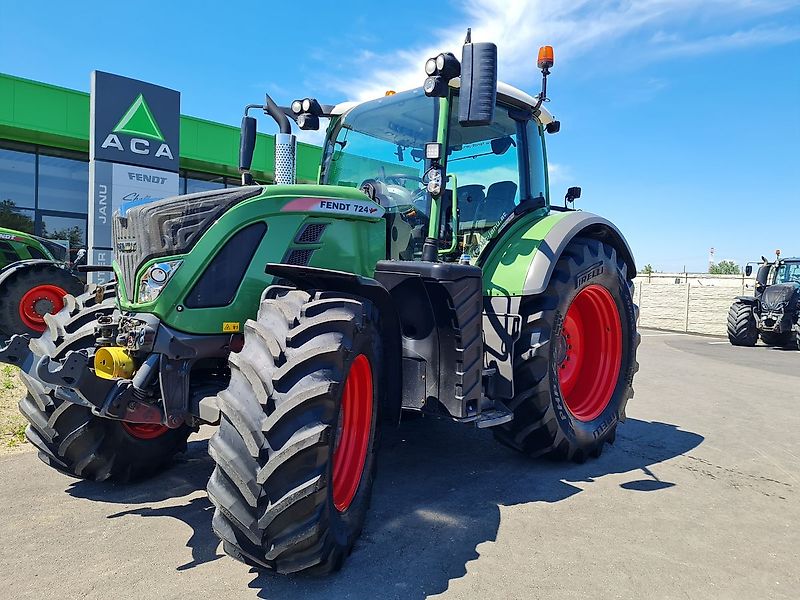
pixel 505 93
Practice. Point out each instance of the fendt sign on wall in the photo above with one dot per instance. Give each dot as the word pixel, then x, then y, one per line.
pixel 133 153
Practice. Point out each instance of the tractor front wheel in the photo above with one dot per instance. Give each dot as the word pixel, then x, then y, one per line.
pixel 295 450
pixel 742 327
pixel 32 292
pixel 576 357
pixel 68 436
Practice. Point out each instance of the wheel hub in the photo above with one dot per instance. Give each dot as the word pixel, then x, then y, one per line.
pixel 145 431
pixel 39 301
pixel 43 306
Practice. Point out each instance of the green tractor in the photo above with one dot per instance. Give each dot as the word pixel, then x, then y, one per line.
pixel 35 275
pixel 426 272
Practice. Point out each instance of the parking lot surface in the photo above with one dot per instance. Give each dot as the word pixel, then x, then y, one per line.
pixel 698 498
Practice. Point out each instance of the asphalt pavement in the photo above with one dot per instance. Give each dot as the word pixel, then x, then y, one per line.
pixel 698 498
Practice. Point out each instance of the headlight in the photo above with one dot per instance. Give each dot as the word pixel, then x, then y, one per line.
pixel 155 278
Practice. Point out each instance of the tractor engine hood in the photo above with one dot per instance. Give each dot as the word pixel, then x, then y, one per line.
pixel 168 227
pixel 781 297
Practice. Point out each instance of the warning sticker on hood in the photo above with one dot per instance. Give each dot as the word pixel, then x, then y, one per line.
pixel 358 208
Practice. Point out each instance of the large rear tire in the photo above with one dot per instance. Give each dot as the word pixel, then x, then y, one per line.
pixel 68 436
pixel 576 357
pixel 32 292
pixel 742 328
pixel 295 450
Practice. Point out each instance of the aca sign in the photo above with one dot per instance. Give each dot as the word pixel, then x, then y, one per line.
pixel 133 153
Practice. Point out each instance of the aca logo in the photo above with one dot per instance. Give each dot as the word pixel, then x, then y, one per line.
pixel 146 137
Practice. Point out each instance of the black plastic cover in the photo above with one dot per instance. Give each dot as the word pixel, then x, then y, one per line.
pixel 219 282
pixel 440 307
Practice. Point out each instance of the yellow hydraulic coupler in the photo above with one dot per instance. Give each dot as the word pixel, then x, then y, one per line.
pixel 112 361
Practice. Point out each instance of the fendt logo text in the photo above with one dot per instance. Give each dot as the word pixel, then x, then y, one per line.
pixel 139 123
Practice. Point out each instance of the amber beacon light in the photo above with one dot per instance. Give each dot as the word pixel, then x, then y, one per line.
pixel 545 60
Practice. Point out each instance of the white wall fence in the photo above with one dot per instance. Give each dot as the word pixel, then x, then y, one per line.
pixel 688 302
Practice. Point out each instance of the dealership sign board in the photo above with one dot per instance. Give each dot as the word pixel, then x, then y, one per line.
pixel 134 153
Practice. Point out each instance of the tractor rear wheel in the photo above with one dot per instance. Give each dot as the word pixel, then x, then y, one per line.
pixel 295 450
pixel 742 328
pixel 32 292
pixel 68 436
pixel 576 357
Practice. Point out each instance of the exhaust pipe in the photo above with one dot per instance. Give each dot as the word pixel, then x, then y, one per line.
pixel 285 150
pixel 285 145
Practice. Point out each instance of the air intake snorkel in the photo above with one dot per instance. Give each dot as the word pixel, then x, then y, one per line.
pixel 285 144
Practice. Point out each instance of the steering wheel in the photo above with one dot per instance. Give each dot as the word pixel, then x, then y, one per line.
pixel 397 177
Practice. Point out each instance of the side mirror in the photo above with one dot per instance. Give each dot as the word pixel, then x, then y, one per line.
pixel 501 145
pixel 478 83
pixel 247 143
pixel 573 194
pixel 748 270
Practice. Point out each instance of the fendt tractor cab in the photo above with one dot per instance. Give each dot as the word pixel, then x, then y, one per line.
pixel 426 271
pixel 773 311
pixel 35 275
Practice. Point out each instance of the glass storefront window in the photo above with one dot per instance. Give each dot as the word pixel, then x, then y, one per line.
pixel 65 229
pixel 198 182
pixel 19 219
pixel 63 184
pixel 17 178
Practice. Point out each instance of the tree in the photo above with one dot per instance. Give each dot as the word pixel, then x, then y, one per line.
pixel 648 269
pixel 12 218
pixel 725 267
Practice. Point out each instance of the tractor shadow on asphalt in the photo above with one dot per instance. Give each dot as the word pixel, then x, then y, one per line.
pixel 437 497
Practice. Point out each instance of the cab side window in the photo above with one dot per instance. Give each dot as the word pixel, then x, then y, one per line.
pixel 536 162
pixel 487 162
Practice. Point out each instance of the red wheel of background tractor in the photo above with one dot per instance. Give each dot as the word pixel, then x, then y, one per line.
pixel 590 352
pixel 39 301
pixel 145 431
pixel 352 440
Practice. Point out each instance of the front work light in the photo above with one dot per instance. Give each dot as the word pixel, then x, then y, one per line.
pixel 440 70
pixel 155 278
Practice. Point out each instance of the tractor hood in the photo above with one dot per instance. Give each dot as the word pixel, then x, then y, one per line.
pixel 781 297
pixel 168 227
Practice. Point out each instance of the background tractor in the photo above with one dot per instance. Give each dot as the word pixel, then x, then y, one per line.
pixel 35 275
pixel 427 271
pixel 773 312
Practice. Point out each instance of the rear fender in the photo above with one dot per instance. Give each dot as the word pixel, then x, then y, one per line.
pixel 13 269
pixel 522 261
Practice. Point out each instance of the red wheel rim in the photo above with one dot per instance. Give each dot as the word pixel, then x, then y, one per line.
pixel 38 302
pixel 352 438
pixel 145 431
pixel 589 352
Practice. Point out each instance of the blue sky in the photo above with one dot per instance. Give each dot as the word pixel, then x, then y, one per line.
pixel 680 118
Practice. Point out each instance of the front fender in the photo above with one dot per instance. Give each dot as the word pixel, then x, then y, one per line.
pixel 21 265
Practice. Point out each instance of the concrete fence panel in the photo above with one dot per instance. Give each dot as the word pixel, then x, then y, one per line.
pixel 688 302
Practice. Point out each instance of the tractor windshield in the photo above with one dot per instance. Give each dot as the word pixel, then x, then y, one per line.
pixel 380 145
pixel 788 272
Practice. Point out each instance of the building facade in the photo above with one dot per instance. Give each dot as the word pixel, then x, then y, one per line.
pixel 44 159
